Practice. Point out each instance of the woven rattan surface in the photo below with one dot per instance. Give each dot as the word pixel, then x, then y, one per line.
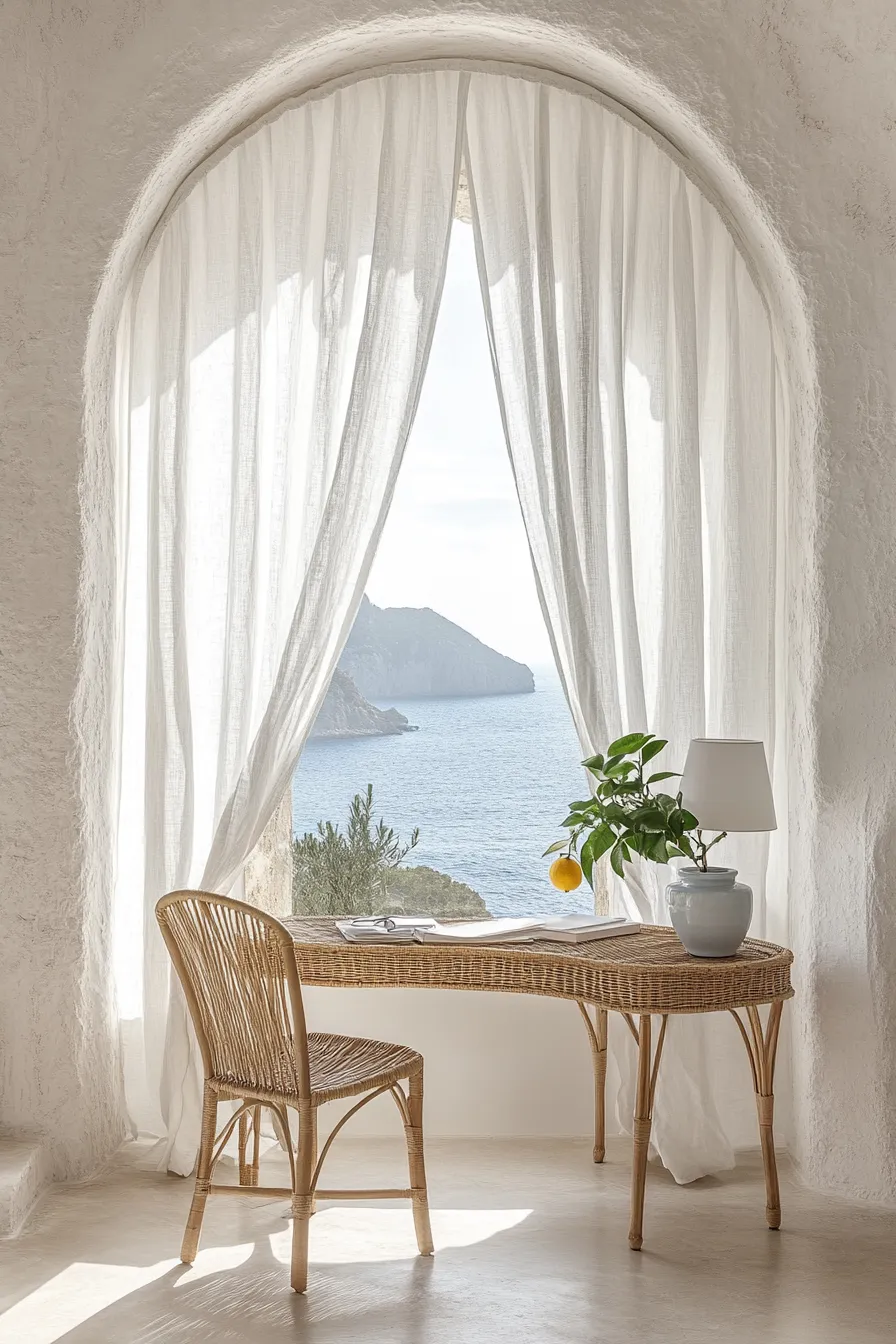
pixel 646 972
pixel 344 1066
pixel 340 1066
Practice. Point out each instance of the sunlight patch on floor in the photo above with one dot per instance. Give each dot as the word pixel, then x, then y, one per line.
pixel 341 1236
pixel 84 1289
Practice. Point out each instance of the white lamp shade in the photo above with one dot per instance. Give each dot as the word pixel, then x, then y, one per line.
pixel 726 785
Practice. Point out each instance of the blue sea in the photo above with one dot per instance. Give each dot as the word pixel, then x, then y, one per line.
pixel 486 779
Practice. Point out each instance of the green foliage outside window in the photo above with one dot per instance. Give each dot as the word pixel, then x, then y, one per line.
pixel 358 872
pixel 338 872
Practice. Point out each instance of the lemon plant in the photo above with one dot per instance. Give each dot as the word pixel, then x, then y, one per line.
pixel 626 816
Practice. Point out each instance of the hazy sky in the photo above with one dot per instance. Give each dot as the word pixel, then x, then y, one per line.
pixel 454 540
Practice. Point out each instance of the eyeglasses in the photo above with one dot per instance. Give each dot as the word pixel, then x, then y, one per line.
pixel 385 922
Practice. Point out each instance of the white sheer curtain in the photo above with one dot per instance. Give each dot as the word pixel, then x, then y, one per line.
pixel 271 354
pixel 636 375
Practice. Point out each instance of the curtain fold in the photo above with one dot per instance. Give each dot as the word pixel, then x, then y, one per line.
pixel 270 359
pixel 635 370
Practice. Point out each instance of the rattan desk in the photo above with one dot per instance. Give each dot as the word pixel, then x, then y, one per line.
pixel 640 976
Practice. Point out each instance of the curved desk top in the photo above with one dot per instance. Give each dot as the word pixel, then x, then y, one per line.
pixel 637 973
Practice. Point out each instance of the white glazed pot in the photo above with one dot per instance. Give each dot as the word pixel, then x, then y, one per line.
pixel 710 912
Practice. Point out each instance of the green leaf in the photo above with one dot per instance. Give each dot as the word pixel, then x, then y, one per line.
pixel 666 802
pixel 663 774
pixel 587 863
pixel 649 816
pixel 651 749
pixel 575 819
pixel 689 821
pixel 601 840
pixel 594 763
pixel 597 844
pixel 613 812
pixel 553 849
pixel 653 821
pixel 585 858
pixel 658 849
pixel 620 771
pixel 616 859
pixel 611 761
pixel 676 821
pixel 631 742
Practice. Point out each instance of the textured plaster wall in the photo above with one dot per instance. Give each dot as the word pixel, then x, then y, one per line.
pixel 791 106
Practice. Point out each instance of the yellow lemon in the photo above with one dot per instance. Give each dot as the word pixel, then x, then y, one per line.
pixel 565 873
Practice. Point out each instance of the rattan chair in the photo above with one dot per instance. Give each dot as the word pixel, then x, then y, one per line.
pixel 238 971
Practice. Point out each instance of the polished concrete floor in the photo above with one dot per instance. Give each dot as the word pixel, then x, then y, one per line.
pixel 531 1248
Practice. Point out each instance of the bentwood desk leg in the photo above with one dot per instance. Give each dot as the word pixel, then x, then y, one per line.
pixel 648 1069
pixel 597 1035
pixel 762 1048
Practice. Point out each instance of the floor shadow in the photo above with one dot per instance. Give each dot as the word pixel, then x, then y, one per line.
pixel 531 1249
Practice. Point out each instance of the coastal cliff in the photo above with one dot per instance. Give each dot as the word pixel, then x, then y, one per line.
pixel 346 713
pixel 406 652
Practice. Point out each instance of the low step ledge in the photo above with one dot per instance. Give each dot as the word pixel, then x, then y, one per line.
pixel 23 1177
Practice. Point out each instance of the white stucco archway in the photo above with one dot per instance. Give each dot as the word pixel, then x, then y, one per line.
pixel 214 165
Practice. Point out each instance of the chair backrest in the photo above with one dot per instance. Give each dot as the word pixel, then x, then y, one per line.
pixel 238 970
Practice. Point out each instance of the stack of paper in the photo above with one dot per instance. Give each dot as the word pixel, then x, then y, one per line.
pixel 586 928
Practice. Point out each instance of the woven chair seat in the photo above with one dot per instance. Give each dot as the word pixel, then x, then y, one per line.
pixel 344 1066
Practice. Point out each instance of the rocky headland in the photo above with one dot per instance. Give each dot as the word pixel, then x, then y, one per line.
pixel 407 652
pixel 346 713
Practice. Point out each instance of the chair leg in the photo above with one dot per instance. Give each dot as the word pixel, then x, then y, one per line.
pixel 312 1139
pixel 256 1145
pixel 416 1166
pixel 245 1171
pixel 190 1243
pixel 302 1201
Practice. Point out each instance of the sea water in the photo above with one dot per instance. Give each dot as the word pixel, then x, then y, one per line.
pixel 487 779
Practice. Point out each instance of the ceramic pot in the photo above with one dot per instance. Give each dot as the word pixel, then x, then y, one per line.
pixel 710 911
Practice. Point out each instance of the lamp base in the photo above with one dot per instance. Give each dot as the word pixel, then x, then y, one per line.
pixel 710 911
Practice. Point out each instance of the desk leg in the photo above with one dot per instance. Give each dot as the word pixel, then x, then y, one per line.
pixel 597 1036
pixel 762 1048
pixel 648 1069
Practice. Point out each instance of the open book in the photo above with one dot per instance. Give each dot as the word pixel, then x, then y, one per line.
pixel 483 931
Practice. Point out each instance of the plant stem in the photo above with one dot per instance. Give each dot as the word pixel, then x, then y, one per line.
pixel 702 849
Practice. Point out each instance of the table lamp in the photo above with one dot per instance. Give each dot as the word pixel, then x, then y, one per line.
pixel 726 785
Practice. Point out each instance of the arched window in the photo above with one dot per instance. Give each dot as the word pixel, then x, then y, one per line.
pixel 270 356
